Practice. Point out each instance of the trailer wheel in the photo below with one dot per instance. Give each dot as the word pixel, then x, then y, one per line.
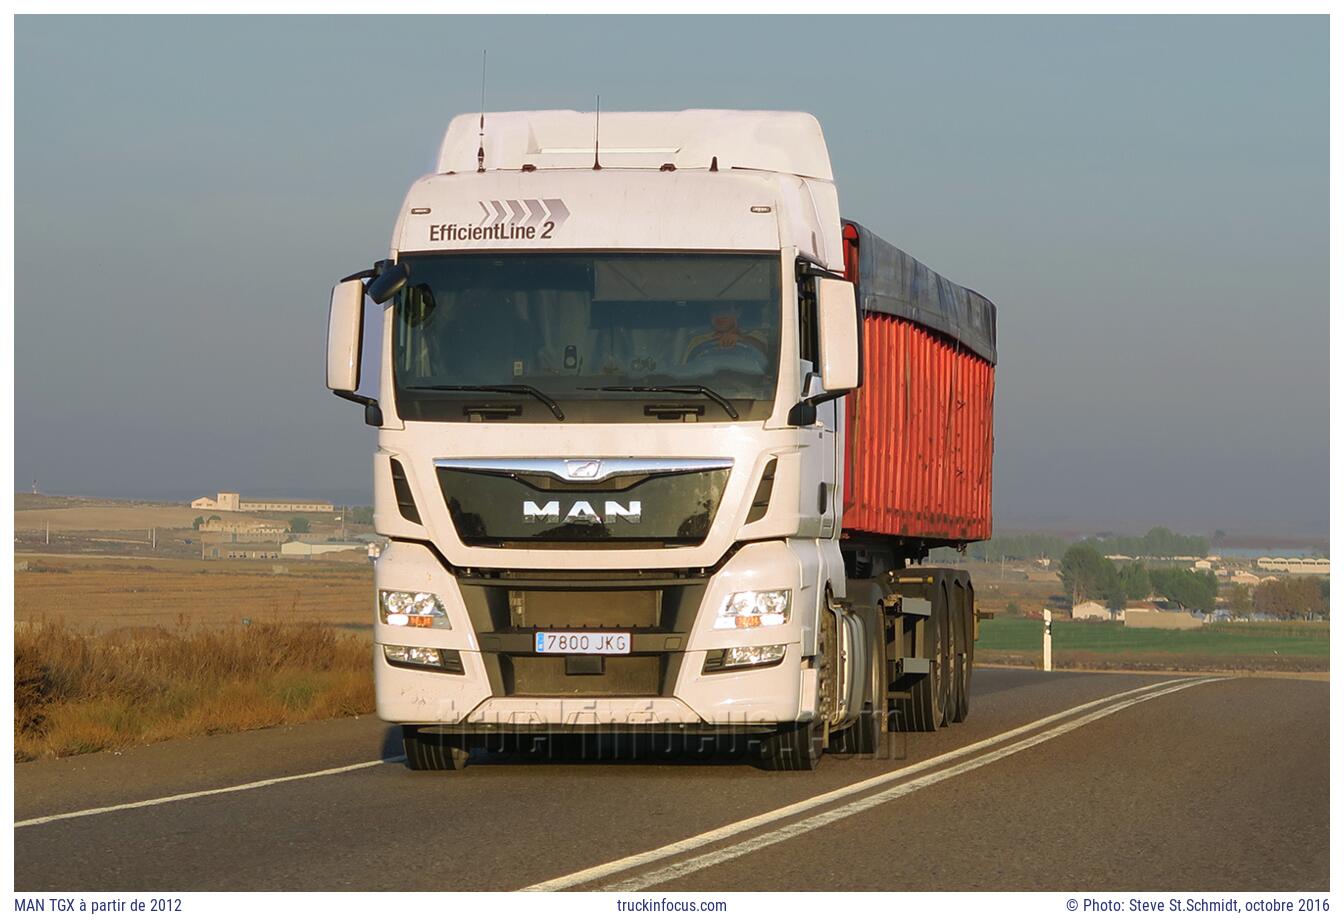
pixel 796 747
pixel 946 653
pixel 961 657
pixel 432 751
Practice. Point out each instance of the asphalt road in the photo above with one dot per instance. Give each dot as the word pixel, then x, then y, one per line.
pixel 1064 781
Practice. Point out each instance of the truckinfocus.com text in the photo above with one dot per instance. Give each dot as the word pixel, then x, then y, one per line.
pixel 654 905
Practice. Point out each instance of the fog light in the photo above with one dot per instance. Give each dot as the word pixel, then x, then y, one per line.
pixel 412 608
pixel 415 656
pixel 747 656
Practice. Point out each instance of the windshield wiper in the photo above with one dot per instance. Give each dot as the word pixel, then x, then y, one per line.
pixel 501 388
pixel 689 388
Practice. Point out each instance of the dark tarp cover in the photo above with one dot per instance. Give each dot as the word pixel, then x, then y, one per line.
pixel 892 281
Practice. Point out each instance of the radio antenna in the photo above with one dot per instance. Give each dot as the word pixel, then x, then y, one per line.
pixel 480 151
pixel 597 132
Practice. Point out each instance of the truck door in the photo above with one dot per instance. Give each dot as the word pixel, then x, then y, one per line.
pixel 819 503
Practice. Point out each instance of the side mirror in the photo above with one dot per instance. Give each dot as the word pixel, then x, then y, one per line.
pixel 391 279
pixel 838 335
pixel 345 327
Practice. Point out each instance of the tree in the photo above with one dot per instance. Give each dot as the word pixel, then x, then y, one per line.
pixel 1135 581
pixel 298 525
pixel 198 522
pixel 1116 600
pixel 215 517
pixel 1085 572
pixel 1191 590
pixel 1290 597
pixel 1239 601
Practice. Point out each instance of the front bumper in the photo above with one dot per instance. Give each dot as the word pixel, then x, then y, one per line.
pixel 503 687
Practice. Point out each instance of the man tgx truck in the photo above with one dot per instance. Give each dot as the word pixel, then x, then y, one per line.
pixel 661 439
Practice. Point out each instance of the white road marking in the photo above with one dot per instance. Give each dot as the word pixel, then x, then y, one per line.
pixel 183 796
pixel 634 861
pixel 705 860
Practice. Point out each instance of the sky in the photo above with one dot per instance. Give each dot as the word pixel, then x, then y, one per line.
pixel 1145 199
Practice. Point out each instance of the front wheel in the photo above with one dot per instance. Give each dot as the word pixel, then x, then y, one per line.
pixel 865 735
pixel 433 751
pixel 797 747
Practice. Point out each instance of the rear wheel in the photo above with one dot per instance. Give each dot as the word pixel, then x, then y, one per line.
pixel 961 654
pixel 432 750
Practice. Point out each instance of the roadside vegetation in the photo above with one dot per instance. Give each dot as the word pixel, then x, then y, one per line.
pixel 77 693
pixel 1272 646
pixel 1159 541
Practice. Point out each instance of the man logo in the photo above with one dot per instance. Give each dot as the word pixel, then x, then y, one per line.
pixel 581 512
pixel 583 469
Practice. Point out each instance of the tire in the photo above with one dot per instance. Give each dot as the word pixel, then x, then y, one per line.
pixel 865 735
pixel 947 651
pixel 859 738
pixel 961 659
pixel 794 748
pixel 432 751
pixel 926 709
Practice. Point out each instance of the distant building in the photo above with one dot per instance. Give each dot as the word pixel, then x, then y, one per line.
pixel 1091 610
pixel 304 550
pixel 232 501
pixel 1244 578
pixel 241 551
pixel 1147 616
pixel 1294 566
pixel 250 528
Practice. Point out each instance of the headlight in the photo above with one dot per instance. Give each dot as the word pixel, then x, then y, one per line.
pixel 412 608
pixel 745 609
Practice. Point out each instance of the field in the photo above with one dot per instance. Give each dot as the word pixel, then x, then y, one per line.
pixel 140 596
pixel 117 651
pixel 1027 585
pixel 1288 646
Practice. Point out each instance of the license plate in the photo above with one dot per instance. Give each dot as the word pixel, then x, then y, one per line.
pixel 583 643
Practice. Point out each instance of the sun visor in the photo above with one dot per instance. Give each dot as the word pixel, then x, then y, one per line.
pixel 710 278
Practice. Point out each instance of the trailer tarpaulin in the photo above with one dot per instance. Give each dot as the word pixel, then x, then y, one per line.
pixel 894 282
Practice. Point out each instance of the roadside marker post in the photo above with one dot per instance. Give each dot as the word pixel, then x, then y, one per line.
pixel 1045 642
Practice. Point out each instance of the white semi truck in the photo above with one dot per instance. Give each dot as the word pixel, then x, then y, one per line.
pixel 620 389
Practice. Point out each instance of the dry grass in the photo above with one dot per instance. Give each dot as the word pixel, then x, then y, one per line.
pixel 111 595
pixel 75 694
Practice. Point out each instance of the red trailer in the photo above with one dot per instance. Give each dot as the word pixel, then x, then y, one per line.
pixel 919 442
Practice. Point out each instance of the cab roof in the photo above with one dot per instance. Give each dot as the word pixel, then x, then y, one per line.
pixel 782 142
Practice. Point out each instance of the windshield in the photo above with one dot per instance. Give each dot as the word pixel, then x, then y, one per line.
pixel 598 336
